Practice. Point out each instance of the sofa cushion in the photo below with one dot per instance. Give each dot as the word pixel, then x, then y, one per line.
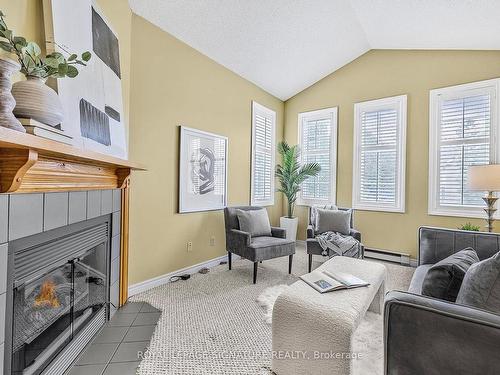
pixel 418 279
pixel 481 285
pixel 444 279
pixel 333 220
pixel 255 222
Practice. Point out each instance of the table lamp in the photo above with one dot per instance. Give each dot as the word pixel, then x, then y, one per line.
pixel 486 178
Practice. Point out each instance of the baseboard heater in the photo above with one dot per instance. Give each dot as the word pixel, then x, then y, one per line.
pixel 389 256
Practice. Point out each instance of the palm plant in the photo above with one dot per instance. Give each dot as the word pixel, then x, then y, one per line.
pixel 291 174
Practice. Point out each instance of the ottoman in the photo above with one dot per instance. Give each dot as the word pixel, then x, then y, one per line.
pixel 312 332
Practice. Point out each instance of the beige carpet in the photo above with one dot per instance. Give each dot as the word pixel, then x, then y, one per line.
pixel 212 324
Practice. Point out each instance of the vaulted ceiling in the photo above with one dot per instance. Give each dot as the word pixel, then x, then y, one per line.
pixel 284 46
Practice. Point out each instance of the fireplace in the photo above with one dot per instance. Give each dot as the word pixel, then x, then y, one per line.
pixel 59 297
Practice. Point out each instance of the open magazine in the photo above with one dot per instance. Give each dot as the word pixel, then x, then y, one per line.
pixel 326 281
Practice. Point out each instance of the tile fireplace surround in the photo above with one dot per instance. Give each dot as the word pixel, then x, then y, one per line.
pixel 24 215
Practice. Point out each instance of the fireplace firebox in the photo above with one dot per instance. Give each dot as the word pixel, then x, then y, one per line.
pixel 59 297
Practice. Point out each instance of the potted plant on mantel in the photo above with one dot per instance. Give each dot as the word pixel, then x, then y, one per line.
pixel 291 174
pixel 33 98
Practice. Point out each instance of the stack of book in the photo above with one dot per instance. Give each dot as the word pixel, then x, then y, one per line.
pixel 45 131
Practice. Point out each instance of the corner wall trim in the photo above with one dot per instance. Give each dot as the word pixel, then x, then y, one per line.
pixel 165 279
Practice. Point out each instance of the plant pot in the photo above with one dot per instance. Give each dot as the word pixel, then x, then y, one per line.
pixel 35 100
pixel 290 224
pixel 7 101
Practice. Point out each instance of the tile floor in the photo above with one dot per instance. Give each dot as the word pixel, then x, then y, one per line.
pixel 115 349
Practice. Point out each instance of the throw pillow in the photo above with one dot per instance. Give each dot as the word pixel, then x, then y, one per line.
pixel 314 213
pixel 444 279
pixel 333 221
pixel 255 222
pixel 481 285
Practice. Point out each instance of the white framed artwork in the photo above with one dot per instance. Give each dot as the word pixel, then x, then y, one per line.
pixel 92 101
pixel 202 171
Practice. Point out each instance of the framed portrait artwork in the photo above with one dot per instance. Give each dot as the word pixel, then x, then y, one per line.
pixel 202 171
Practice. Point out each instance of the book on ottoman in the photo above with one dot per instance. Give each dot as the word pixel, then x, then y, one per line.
pixel 324 281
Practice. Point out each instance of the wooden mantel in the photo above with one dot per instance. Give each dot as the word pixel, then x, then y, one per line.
pixel 32 164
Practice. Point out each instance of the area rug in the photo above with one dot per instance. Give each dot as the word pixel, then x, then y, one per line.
pixel 367 340
pixel 213 324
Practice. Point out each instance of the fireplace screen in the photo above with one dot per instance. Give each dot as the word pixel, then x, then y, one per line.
pixel 53 307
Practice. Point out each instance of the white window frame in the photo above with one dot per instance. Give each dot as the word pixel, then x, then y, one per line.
pixel 266 112
pixel 317 115
pixel 434 208
pixel 400 103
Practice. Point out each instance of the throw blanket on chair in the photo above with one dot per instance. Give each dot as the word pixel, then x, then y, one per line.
pixel 340 244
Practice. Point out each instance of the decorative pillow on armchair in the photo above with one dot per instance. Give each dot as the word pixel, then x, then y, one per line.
pixel 481 285
pixel 314 213
pixel 444 279
pixel 255 222
pixel 333 221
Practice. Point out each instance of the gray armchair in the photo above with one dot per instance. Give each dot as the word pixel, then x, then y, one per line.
pixel 312 245
pixel 424 335
pixel 255 249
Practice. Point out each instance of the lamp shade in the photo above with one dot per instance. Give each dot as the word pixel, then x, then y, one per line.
pixel 484 177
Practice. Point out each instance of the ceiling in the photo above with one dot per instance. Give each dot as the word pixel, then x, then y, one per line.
pixel 284 46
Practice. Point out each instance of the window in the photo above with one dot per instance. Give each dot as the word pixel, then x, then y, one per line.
pixel 318 144
pixel 263 155
pixel 380 154
pixel 463 132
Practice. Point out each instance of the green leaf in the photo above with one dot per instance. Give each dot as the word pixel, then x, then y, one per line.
pixel 62 69
pixel 58 56
pixel 51 62
pixel 6 46
pixel 38 72
pixel 2 14
pixel 27 61
pixel 20 40
pixel 33 49
pixel 72 57
pixel 86 56
pixel 7 34
pixel 72 72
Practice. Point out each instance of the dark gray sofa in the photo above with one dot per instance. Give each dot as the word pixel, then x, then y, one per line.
pixel 424 335
pixel 255 249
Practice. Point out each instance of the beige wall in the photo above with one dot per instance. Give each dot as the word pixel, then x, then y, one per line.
pixel 378 74
pixel 172 84
pixel 166 83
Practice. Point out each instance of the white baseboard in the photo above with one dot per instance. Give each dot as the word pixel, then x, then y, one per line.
pixel 165 279
pixel 390 256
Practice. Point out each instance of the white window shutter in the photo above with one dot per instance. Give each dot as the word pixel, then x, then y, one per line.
pixel 318 144
pixel 463 129
pixel 263 155
pixel 379 154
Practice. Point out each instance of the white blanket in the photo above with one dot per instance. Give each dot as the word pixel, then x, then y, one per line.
pixel 339 243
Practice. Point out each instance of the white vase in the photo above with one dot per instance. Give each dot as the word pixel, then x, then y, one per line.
pixel 35 100
pixel 290 224
pixel 7 102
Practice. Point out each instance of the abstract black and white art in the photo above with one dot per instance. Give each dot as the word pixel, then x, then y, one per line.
pixel 202 171
pixel 92 101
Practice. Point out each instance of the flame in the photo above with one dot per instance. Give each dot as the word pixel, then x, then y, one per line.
pixel 47 296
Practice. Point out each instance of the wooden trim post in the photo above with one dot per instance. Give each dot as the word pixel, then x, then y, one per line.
pixel 124 242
